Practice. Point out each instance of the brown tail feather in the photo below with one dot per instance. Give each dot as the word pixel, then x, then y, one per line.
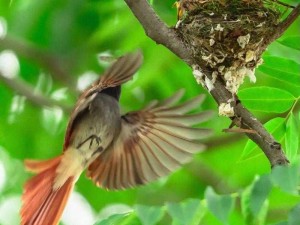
pixel 38 166
pixel 42 205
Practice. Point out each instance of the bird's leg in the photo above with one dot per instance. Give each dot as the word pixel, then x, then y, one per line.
pixel 99 150
pixel 92 138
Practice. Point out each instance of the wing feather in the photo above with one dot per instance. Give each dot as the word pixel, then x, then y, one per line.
pixel 180 142
pixel 159 168
pixel 152 143
pixel 179 131
pixel 185 120
pixel 178 155
pixel 167 102
pixel 147 169
pixel 151 105
pixel 171 100
pixel 181 109
pixel 120 71
pixel 163 156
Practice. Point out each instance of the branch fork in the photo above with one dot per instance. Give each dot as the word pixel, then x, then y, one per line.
pixel 242 118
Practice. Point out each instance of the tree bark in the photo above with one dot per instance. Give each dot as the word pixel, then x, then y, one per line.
pixel 157 30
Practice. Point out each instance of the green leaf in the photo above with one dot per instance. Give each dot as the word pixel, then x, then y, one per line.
pixel 113 220
pixel 292 138
pixel 286 177
pixel 262 216
pixel 149 215
pixel 219 205
pixel 275 126
pixel 189 212
pixel 267 99
pixel 259 193
pixel 281 223
pixel 254 200
pixel 294 218
pixel 292 42
pixel 282 69
pixel 52 118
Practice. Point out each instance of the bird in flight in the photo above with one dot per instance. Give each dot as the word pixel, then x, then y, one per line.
pixel 118 151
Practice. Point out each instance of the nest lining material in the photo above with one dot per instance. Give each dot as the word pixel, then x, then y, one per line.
pixel 228 39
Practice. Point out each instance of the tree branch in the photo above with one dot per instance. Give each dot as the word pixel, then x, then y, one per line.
pixel 282 27
pixel 35 97
pixel 157 29
pixel 48 61
pixel 161 34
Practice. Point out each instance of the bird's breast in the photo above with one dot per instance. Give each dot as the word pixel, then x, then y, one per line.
pixel 96 127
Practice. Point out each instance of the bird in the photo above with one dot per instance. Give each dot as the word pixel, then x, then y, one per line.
pixel 117 151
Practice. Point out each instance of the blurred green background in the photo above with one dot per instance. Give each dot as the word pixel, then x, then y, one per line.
pixel 51 49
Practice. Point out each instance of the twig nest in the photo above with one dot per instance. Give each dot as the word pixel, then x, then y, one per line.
pixel 228 37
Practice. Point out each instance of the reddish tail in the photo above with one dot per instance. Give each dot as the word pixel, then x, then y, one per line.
pixel 43 205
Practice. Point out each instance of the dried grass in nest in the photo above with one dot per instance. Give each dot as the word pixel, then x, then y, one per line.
pixel 228 37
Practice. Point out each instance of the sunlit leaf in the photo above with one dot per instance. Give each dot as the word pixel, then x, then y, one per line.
pixel 292 42
pixel 262 216
pixel 282 69
pixel 3 27
pixel 189 212
pixel 286 177
pixel 44 84
pixel 2 176
pixel 294 218
pixel 117 219
pixel 292 138
pixel 149 215
pixel 275 126
pixel 9 210
pixel 59 94
pixel 259 193
pixel 52 119
pixel 254 200
pixel 16 108
pixel 76 209
pixel 219 205
pixel 281 223
pixel 267 99
pixel 112 219
pixel 9 64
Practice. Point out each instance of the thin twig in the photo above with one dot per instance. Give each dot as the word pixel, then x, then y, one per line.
pixel 284 25
pixel 35 97
pixel 161 34
pixel 50 62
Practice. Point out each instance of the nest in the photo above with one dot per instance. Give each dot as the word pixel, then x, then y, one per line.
pixel 228 37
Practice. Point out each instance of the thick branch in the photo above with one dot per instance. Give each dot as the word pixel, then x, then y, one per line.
pixel 157 30
pixel 35 97
pixel 161 34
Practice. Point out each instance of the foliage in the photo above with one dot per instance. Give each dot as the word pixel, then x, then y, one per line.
pixel 230 183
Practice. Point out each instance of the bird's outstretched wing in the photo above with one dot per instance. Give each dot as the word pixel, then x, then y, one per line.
pixel 152 143
pixel 118 73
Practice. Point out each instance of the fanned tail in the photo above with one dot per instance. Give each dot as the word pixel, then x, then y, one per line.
pixel 42 204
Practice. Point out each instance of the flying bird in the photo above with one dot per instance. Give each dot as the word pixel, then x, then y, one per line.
pixel 118 151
